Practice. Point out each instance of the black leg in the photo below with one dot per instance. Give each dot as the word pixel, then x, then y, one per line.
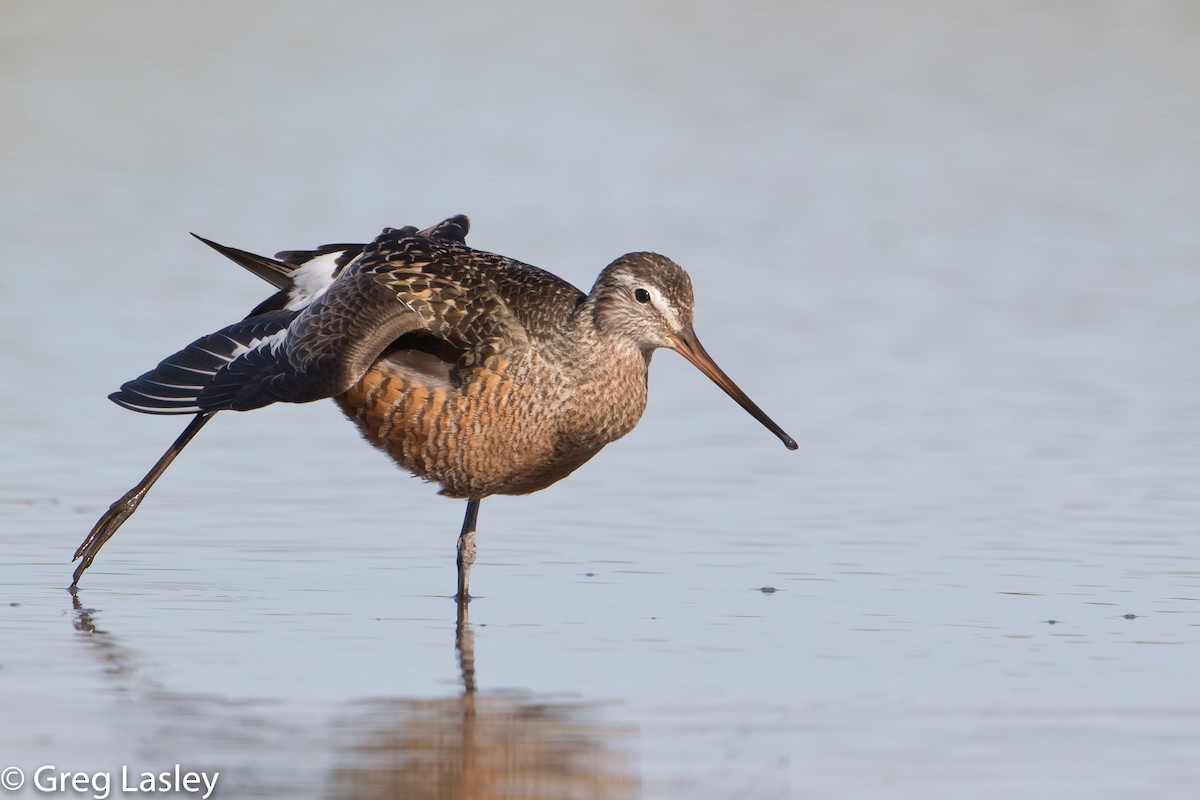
pixel 466 551
pixel 123 508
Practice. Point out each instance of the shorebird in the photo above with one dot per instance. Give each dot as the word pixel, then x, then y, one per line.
pixel 471 370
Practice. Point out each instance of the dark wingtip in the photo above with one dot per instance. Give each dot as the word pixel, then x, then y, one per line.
pixel 128 401
pixel 119 398
pixel 451 229
pixel 273 272
pixel 220 248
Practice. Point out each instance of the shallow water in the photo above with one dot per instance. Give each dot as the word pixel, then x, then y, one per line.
pixel 951 250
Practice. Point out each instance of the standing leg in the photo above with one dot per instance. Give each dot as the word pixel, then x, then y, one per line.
pixel 124 507
pixel 467 550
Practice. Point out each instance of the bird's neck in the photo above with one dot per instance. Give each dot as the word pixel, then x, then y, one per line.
pixel 606 379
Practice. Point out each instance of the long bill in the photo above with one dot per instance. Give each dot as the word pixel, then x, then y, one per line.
pixel 688 346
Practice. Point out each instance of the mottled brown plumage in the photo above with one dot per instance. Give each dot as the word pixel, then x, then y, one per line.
pixel 533 383
pixel 472 370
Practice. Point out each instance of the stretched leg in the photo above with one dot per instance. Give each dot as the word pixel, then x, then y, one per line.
pixel 467 551
pixel 123 508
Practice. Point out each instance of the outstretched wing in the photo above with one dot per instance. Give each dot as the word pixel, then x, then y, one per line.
pixel 176 384
pixel 401 283
pixel 303 275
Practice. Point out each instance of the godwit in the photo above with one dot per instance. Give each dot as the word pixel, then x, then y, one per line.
pixel 474 371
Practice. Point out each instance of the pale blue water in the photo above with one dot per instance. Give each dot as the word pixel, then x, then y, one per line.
pixel 951 249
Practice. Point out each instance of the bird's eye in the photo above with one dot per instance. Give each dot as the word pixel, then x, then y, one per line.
pixel 641 295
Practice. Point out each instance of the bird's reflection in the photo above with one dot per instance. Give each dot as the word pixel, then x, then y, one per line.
pixel 471 745
pixel 479 745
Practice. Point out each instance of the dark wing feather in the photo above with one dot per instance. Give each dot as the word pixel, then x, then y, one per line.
pixel 276 273
pixel 452 289
pixel 402 283
pixel 177 384
pixel 334 341
pixel 297 285
pixel 279 356
pixel 454 229
pixel 293 259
